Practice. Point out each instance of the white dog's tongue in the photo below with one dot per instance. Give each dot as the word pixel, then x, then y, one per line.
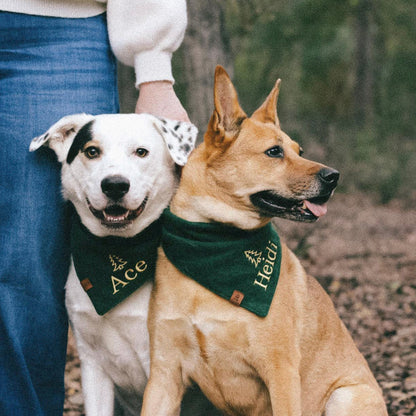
pixel 317 210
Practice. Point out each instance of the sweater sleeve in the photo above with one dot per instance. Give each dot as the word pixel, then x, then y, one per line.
pixel 145 33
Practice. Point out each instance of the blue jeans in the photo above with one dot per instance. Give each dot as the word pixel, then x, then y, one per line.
pixel 49 68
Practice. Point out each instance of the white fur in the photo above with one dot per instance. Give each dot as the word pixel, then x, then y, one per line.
pixel 152 176
pixel 341 398
pixel 114 348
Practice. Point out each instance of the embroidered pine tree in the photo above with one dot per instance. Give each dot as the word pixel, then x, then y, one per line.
pixel 253 256
pixel 117 262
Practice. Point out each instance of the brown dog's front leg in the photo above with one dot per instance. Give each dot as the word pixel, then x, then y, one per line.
pixel 163 394
pixel 285 391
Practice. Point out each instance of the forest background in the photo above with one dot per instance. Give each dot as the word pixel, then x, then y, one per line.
pixel 348 70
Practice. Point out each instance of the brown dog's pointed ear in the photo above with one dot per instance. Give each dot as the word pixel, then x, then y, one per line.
pixel 267 112
pixel 228 115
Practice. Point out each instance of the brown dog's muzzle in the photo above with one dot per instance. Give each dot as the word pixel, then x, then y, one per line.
pixel 308 209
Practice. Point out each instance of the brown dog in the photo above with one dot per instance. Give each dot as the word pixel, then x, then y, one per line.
pixel 297 360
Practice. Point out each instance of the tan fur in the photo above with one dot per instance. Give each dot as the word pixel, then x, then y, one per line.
pixel 288 363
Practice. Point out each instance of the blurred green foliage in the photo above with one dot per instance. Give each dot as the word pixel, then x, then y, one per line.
pixel 348 70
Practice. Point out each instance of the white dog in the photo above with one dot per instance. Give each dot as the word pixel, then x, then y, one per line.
pixel 119 173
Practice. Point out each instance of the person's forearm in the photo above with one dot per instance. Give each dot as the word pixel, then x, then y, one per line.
pixel 145 33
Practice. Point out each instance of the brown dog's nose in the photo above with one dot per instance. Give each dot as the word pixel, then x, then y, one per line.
pixel 115 187
pixel 329 176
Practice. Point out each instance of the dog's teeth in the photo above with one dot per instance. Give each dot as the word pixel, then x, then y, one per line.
pixel 111 218
pixel 304 205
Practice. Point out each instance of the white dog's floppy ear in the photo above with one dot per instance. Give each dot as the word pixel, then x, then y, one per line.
pixel 179 136
pixel 59 137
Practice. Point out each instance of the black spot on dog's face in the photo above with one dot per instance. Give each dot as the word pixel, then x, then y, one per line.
pixel 83 136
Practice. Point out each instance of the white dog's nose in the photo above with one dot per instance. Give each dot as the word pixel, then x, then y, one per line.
pixel 115 187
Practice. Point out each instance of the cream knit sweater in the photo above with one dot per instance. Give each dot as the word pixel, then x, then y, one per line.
pixel 143 33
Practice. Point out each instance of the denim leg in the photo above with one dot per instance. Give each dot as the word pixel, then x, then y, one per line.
pixel 49 68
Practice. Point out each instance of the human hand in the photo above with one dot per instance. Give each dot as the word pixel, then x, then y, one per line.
pixel 159 98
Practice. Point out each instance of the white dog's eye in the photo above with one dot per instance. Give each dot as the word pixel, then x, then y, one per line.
pixel 92 152
pixel 141 152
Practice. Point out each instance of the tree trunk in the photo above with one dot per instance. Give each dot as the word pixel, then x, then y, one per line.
pixel 127 91
pixel 364 86
pixel 205 45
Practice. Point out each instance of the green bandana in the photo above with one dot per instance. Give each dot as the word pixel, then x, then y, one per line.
pixel 240 266
pixel 112 268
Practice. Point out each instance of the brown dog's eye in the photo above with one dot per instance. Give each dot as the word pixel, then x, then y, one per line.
pixel 92 152
pixel 275 151
pixel 141 152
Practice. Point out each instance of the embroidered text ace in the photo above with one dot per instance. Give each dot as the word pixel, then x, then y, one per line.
pixel 129 274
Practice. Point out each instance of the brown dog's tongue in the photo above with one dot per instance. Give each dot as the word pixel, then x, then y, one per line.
pixel 317 210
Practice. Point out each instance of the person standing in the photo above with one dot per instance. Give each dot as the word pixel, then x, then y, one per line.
pixel 57 58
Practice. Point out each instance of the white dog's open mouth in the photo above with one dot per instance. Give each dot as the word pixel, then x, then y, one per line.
pixel 117 216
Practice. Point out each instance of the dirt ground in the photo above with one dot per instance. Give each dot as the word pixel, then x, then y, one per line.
pixel 364 255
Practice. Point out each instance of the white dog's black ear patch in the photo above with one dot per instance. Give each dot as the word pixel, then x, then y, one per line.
pixel 60 135
pixel 179 136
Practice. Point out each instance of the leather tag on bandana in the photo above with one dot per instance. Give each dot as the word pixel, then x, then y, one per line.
pixel 112 268
pixel 86 284
pixel 237 297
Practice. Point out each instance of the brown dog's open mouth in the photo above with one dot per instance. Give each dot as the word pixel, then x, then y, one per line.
pixel 272 205
pixel 117 216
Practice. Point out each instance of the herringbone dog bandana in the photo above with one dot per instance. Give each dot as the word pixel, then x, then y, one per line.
pixel 112 268
pixel 240 266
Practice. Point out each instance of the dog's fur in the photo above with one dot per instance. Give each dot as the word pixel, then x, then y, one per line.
pixel 299 359
pixel 125 148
